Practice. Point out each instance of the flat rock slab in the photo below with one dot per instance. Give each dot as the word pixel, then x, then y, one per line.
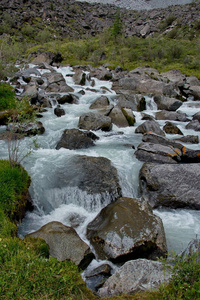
pixel 64 243
pixel 171 185
pixel 127 229
pixel 135 276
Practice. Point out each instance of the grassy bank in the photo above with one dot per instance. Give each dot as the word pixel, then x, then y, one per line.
pixel 27 271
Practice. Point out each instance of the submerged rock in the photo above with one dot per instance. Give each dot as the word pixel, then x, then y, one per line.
pixel 127 229
pixel 170 185
pixel 135 276
pixel 64 243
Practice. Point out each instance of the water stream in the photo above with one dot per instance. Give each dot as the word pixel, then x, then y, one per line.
pixel 74 207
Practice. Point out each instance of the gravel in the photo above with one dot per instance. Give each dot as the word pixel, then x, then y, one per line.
pixel 141 4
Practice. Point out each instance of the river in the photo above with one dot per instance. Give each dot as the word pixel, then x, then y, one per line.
pixel 56 204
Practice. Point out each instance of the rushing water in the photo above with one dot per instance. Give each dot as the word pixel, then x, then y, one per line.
pixel 74 207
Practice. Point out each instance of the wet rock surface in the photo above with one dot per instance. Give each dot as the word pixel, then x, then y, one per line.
pixel 76 139
pixel 127 229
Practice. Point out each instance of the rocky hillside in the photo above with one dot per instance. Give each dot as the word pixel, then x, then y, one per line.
pixel 77 19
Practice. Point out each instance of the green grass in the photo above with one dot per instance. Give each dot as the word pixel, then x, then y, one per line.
pixel 7 97
pixel 14 183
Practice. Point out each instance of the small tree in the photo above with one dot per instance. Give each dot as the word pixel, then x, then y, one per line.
pixel 117 25
pixel 21 117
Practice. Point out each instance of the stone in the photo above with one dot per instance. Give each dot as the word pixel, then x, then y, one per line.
pixel 192 247
pixel 195 92
pixel 97 277
pixel 196 116
pixel 194 124
pixel 149 126
pixel 80 77
pixel 135 276
pixel 58 111
pixel 29 129
pixel 170 185
pixel 31 92
pixel 171 115
pixel 100 102
pixel 64 243
pixel 193 139
pixel 95 121
pixel 171 128
pixel 157 153
pixel 67 98
pixel 127 229
pixel 118 118
pixel 47 57
pixel 174 76
pixel 167 103
pixel 151 137
pixel 76 139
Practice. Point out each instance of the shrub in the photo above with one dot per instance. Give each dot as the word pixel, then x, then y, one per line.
pixel 14 184
pixel 7 97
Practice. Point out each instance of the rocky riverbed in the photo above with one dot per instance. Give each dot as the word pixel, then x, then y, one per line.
pixel 111 151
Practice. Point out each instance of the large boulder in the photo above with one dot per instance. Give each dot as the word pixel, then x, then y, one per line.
pixel 149 126
pixel 127 229
pixel 46 57
pixel 171 128
pixel 58 111
pixel 135 276
pixel 64 243
pixel 118 117
pixel 171 115
pixel 76 139
pixel 29 129
pixel 80 77
pixel 31 92
pixel 149 152
pixel 193 139
pixel 95 121
pixel 67 98
pixel 55 82
pixel 167 103
pixel 144 84
pixel 194 124
pixel 102 104
pixel 170 185
pixel 86 181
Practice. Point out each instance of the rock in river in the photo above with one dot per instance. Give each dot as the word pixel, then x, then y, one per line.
pixel 171 185
pixel 127 229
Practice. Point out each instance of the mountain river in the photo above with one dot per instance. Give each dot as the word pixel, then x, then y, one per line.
pixel 64 205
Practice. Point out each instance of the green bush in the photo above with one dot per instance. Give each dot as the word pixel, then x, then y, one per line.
pixel 14 183
pixel 7 97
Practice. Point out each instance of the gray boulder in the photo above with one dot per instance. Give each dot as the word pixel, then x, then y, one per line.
pixel 55 82
pixel 58 111
pixel 166 103
pixel 135 276
pixel 195 92
pixel 67 98
pixel 174 76
pixel 95 121
pixel 31 92
pixel 102 104
pixel 193 139
pixel 170 185
pixel 29 129
pixel 196 116
pixel 76 139
pixel 151 137
pixel 118 118
pixel 80 77
pixel 194 124
pixel 149 152
pixel 149 126
pixel 64 243
pixel 192 247
pixel 127 229
pixel 171 115
pixel 171 128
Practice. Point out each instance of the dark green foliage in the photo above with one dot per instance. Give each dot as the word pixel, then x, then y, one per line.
pixel 14 182
pixel 7 97
pixel 185 281
pixel 117 25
